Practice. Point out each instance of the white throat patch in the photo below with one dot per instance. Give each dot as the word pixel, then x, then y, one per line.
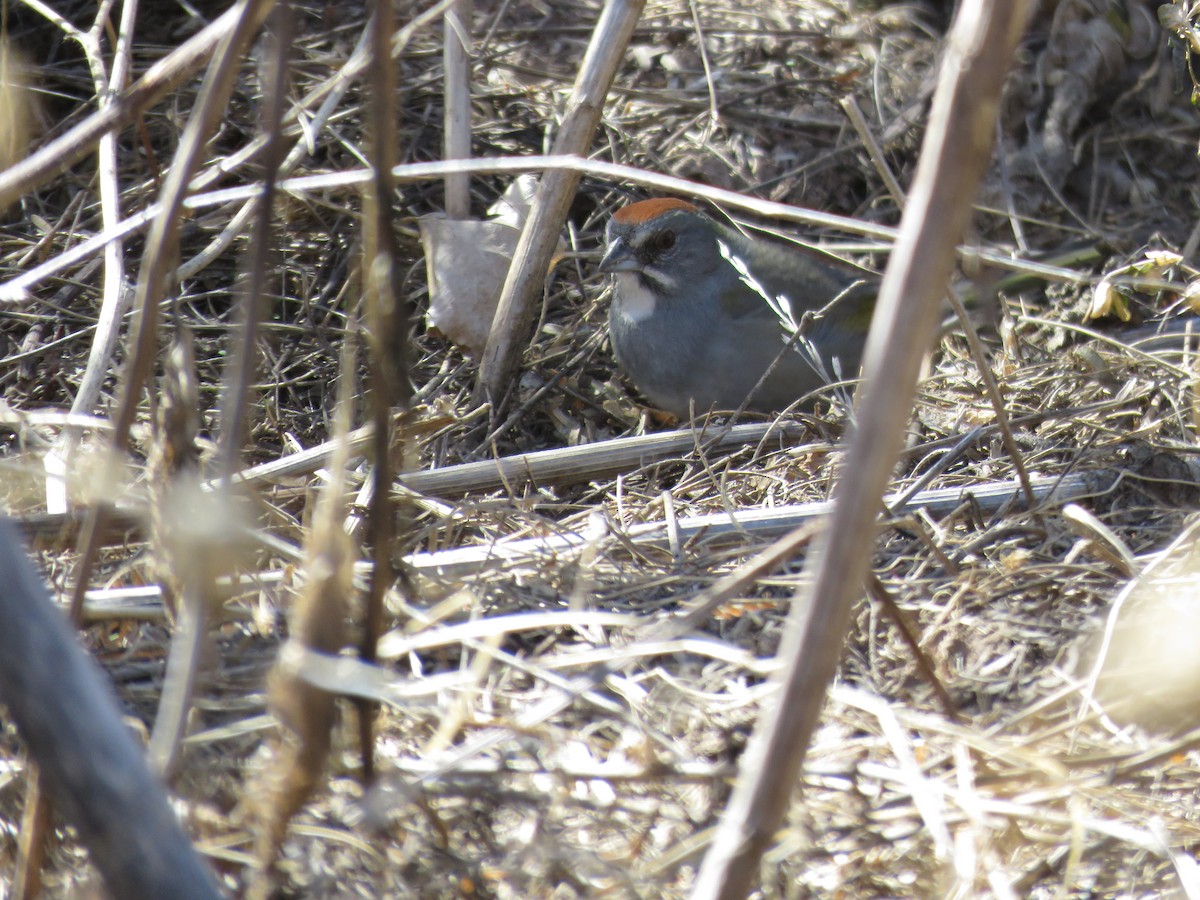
pixel 636 301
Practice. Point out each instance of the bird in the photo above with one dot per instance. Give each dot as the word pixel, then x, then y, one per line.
pixel 700 312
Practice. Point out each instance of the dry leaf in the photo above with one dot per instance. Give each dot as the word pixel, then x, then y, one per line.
pixel 467 261
pixel 1107 298
pixel 1143 665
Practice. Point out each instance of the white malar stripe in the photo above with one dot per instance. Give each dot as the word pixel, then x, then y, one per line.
pixel 635 300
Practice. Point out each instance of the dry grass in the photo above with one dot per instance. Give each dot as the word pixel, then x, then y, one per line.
pixel 516 774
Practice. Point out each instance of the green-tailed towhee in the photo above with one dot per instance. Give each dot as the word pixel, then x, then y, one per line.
pixel 700 312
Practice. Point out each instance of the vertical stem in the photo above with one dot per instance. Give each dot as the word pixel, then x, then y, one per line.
pixel 456 56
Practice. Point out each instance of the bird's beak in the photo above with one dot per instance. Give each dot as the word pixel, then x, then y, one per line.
pixel 618 258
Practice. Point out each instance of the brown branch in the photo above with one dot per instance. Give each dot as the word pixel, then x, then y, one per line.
pixel 956 150
pixel 531 260
pixel 91 766
pixel 67 149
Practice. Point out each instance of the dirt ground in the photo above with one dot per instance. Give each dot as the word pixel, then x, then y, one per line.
pixel 966 749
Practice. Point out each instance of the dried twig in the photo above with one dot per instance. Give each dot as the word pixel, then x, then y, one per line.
pixel 531 260
pixel 456 39
pixel 91 766
pixel 957 148
pixel 166 75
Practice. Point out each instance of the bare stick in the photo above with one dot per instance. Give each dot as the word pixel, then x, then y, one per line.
pixel 527 274
pixel 457 55
pixel 161 247
pixel 387 336
pixel 31 844
pixel 196 567
pixel 14 290
pixel 255 304
pixel 37 813
pixel 115 296
pixel 332 90
pixel 957 148
pixel 988 377
pixel 164 76
pixel 92 767
pixel 874 151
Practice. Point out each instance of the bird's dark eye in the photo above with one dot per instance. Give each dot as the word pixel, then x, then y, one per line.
pixel 664 240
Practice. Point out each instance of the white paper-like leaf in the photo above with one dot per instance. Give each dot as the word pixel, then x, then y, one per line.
pixel 514 204
pixel 467 261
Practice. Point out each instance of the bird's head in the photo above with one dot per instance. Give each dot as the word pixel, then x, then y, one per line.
pixel 663 242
